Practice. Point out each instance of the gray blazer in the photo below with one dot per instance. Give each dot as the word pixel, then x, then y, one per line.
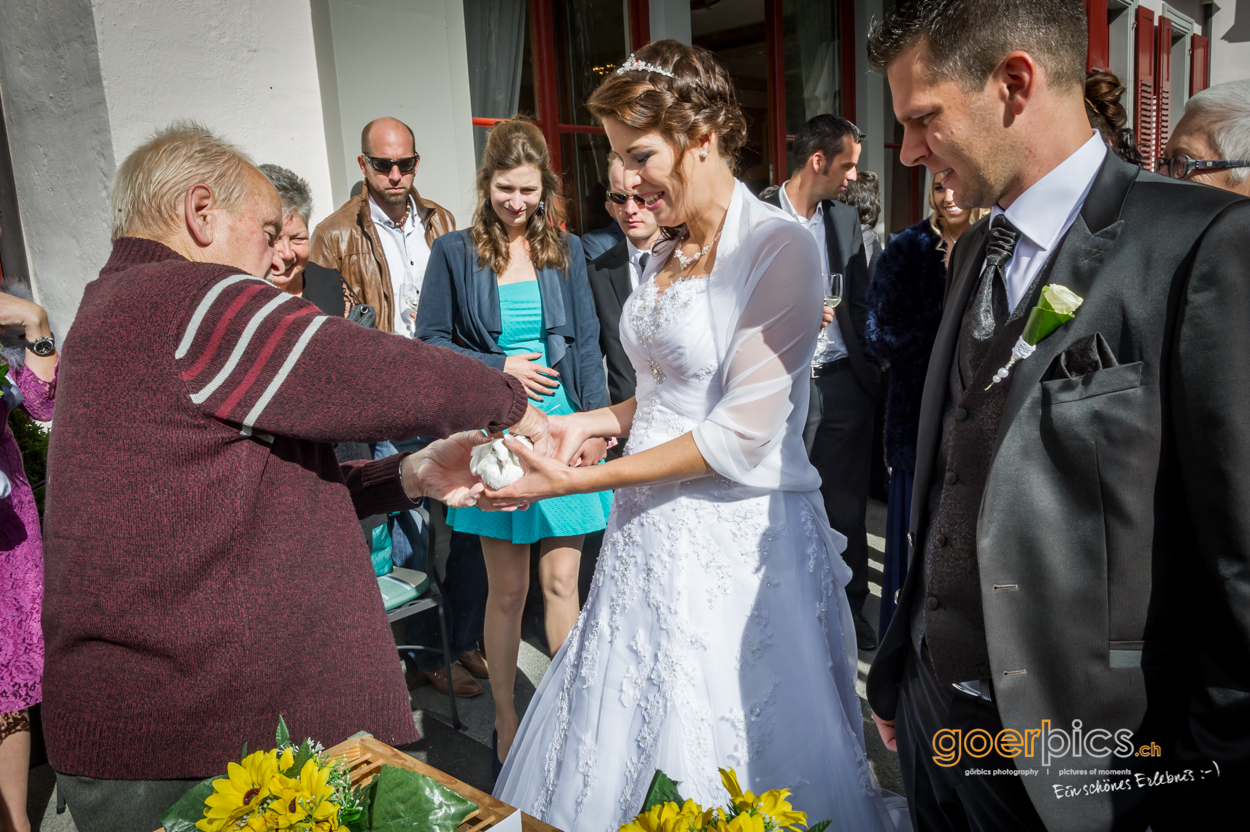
pixel 460 310
pixel 1113 539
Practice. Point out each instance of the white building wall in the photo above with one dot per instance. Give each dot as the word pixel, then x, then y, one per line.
pixel 1230 42
pixel 671 19
pixel 86 81
pixel 61 147
pixel 244 68
pixel 420 77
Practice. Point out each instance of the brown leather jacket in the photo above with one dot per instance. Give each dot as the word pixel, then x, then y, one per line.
pixel 346 240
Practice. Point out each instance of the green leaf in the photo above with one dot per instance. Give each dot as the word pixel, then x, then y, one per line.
pixel 820 827
pixel 303 754
pixel 662 790
pixel 182 816
pixel 1042 322
pixel 406 800
pixel 283 737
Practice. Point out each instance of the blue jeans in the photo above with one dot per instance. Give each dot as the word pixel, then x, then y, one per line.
pixel 464 586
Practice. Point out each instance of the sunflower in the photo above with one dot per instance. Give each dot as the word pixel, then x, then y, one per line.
pixel 668 817
pixel 775 805
pixel 241 792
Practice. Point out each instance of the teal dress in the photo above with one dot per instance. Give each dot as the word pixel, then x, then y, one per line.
pixel 521 311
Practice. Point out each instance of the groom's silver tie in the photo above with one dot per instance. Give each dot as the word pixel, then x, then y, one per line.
pixel 991 309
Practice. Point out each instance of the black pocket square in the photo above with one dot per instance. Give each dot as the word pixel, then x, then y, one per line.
pixel 1088 355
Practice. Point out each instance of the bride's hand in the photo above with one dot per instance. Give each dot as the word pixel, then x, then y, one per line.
pixel 569 434
pixel 545 477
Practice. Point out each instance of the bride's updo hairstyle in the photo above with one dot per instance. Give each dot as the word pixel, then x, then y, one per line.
pixel 698 99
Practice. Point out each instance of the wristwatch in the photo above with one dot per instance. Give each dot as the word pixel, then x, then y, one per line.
pixel 44 346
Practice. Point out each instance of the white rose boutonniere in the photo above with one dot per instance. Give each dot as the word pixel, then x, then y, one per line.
pixel 1058 306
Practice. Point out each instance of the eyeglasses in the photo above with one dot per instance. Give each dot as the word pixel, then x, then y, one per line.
pixel 1181 166
pixel 384 165
pixel 621 199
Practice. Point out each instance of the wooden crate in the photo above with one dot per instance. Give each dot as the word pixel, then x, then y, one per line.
pixel 365 757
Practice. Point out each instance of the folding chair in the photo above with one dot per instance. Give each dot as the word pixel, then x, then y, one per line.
pixel 406 592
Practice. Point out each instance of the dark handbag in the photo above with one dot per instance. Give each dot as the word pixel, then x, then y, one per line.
pixel 363 314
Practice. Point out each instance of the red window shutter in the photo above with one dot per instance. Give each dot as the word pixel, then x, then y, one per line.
pixel 1199 64
pixel 1099 56
pixel 1163 82
pixel 1144 97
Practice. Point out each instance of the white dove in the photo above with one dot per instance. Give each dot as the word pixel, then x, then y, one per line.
pixel 497 466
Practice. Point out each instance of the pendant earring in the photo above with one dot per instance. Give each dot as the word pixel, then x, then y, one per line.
pixel 487 202
pixel 542 206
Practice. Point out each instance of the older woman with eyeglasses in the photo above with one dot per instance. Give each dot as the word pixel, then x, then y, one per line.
pixel 1211 144
pixel 324 288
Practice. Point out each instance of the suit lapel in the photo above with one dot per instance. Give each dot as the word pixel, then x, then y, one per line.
pixel 938 375
pixel 622 286
pixel 1075 265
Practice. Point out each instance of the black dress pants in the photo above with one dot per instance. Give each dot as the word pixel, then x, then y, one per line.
pixel 943 798
pixel 839 442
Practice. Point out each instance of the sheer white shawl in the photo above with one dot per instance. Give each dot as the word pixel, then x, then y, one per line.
pixel 766 300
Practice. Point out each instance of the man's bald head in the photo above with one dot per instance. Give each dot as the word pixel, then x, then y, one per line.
pixel 388 132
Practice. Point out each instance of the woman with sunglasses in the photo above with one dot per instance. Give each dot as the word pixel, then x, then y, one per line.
pixel 512 291
pixel 904 310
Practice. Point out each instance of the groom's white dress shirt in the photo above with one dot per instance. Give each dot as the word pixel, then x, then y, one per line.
pixel 1046 211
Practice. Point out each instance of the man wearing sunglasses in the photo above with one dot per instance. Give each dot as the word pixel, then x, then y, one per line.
pixel 616 273
pixel 1211 144
pixel 380 241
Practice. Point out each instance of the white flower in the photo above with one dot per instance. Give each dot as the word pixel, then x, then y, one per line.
pixel 496 464
pixel 1062 299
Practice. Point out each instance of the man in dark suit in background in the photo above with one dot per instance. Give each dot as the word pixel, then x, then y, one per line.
pixel 1080 570
pixel 615 274
pixel 844 377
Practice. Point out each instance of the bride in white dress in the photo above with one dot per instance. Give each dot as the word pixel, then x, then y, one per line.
pixel 717 632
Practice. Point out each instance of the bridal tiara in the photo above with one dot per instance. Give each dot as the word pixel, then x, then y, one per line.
pixel 632 63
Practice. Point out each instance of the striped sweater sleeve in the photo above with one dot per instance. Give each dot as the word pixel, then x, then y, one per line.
pixel 267 362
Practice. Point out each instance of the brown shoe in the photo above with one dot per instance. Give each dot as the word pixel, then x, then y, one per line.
pixel 475 662
pixel 466 685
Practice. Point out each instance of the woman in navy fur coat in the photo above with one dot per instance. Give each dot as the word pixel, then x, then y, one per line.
pixel 904 310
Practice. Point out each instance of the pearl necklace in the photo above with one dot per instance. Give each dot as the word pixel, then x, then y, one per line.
pixel 687 262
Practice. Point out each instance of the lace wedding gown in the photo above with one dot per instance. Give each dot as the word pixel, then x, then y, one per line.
pixel 716 632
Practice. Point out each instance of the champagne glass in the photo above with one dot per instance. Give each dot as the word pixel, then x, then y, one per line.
pixel 409 297
pixel 833 296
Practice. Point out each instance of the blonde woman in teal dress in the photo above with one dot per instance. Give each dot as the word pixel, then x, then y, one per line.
pixel 512 291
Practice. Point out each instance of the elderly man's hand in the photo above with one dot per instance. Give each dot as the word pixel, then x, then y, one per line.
pixel 533 426
pixel 441 471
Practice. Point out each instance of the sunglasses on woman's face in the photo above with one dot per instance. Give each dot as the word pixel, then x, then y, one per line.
pixel 621 199
pixel 1181 166
pixel 384 165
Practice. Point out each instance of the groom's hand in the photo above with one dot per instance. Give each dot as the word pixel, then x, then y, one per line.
pixel 885 727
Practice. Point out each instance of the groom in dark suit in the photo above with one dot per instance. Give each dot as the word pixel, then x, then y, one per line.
pixel 845 378
pixel 1072 645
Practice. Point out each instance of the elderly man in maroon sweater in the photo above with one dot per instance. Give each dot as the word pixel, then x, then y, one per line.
pixel 205 568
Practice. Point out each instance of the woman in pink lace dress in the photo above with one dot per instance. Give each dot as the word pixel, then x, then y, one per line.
pixel 30 384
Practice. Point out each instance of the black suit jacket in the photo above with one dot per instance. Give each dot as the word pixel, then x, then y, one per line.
pixel 844 246
pixel 611 287
pixel 1113 537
